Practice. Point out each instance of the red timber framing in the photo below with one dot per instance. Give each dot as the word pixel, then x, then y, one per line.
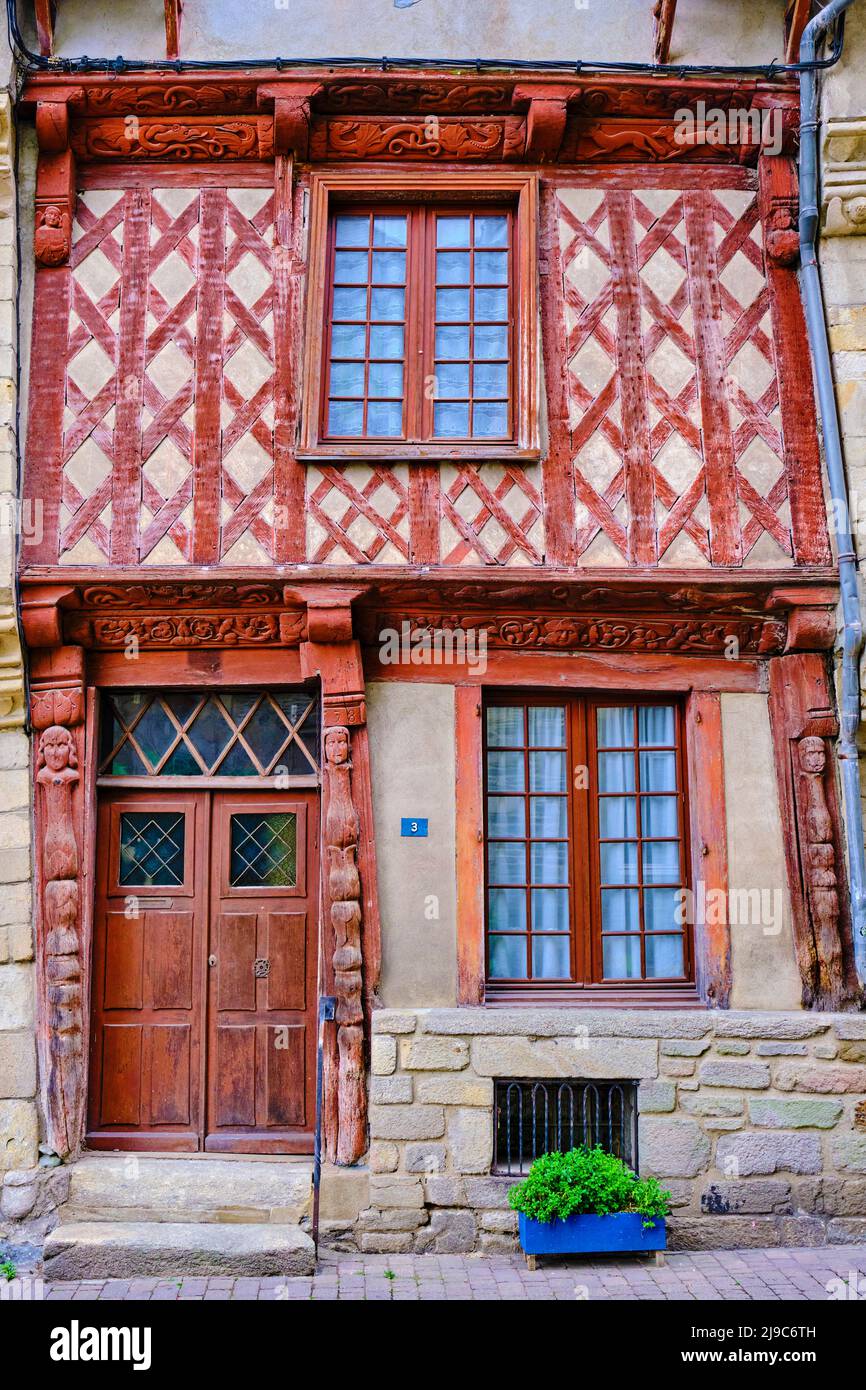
pixel 665 532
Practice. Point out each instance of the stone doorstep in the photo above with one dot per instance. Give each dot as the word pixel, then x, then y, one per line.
pixel 142 1188
pixel 130 1249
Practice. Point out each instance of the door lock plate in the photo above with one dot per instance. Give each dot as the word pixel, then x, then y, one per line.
pixel 261 968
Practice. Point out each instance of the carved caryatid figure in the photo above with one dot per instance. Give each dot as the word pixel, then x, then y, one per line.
pixel 819 862
pixel 342 834
pixel 56 776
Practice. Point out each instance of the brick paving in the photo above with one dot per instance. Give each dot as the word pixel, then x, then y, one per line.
pixel 782 1275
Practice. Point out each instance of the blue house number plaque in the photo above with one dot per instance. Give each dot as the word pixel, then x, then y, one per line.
pixel 413 828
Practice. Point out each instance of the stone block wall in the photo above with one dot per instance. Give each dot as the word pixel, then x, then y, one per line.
pixel 755 1122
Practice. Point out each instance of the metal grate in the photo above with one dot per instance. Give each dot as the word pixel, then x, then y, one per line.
pixel 532 1118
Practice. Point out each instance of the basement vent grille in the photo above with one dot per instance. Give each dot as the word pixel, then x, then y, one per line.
pixel 532 1118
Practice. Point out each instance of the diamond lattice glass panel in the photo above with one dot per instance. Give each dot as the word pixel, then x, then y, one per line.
pixel 264 850
pixel 151 849
pixel 233 734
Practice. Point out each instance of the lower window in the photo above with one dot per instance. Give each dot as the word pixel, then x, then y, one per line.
pixel 586 848
pixel 532 1118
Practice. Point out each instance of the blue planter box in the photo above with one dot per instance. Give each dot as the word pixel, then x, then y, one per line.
pixel 616 1234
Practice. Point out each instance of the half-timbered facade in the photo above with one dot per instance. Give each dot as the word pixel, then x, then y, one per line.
pixel 434 610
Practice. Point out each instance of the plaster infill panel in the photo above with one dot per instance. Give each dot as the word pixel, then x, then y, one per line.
pixel 707 31
pixel 411 729
pixel 763 964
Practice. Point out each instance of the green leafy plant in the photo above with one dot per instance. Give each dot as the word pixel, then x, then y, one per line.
pixel 7 1270
pixel 586 1182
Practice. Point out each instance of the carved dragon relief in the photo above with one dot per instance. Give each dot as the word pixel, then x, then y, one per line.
pixel 425 137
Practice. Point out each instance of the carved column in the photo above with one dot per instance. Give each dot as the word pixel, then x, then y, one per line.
pixel 351 963
pixel 819 860
pixel 803 722
pixel 57 717
pixel 342 836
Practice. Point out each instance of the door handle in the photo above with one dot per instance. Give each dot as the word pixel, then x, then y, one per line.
pixel 211 960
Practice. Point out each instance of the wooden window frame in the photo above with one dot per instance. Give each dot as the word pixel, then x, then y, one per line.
pixel 387 190
pixel 584 848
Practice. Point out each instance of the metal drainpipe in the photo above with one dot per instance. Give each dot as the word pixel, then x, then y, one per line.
pixel 816 327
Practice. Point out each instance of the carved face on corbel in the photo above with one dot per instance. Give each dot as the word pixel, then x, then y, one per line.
pixel 337 746
pixel 57 760
pixel 812 754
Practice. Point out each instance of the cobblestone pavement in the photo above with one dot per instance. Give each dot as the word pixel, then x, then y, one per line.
pixel 790 1274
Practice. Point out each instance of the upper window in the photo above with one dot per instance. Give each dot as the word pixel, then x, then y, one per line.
pixel 586 843
pixel 426 344
pixel 419 338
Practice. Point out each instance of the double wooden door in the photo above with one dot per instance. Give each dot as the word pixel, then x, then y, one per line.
pixel 203 1003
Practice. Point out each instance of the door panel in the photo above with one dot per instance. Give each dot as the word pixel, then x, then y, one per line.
pixel 233 1073
pixel 235 948
pixel 146 1087
pixel 261 1052
pixel 121 1090
pixel 284 1063
pixel 286 951
pixel 171 1054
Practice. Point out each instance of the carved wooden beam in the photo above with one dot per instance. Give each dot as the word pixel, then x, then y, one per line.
pixel 173 12
pixel 663 14
pixel 167 138
pixel 803 722
pixel 332 117
pixel 346 94
pixel 57 713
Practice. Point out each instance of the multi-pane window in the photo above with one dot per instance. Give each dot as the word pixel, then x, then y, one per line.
pixel 585 841
pixel 419 339
pixel 366 378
